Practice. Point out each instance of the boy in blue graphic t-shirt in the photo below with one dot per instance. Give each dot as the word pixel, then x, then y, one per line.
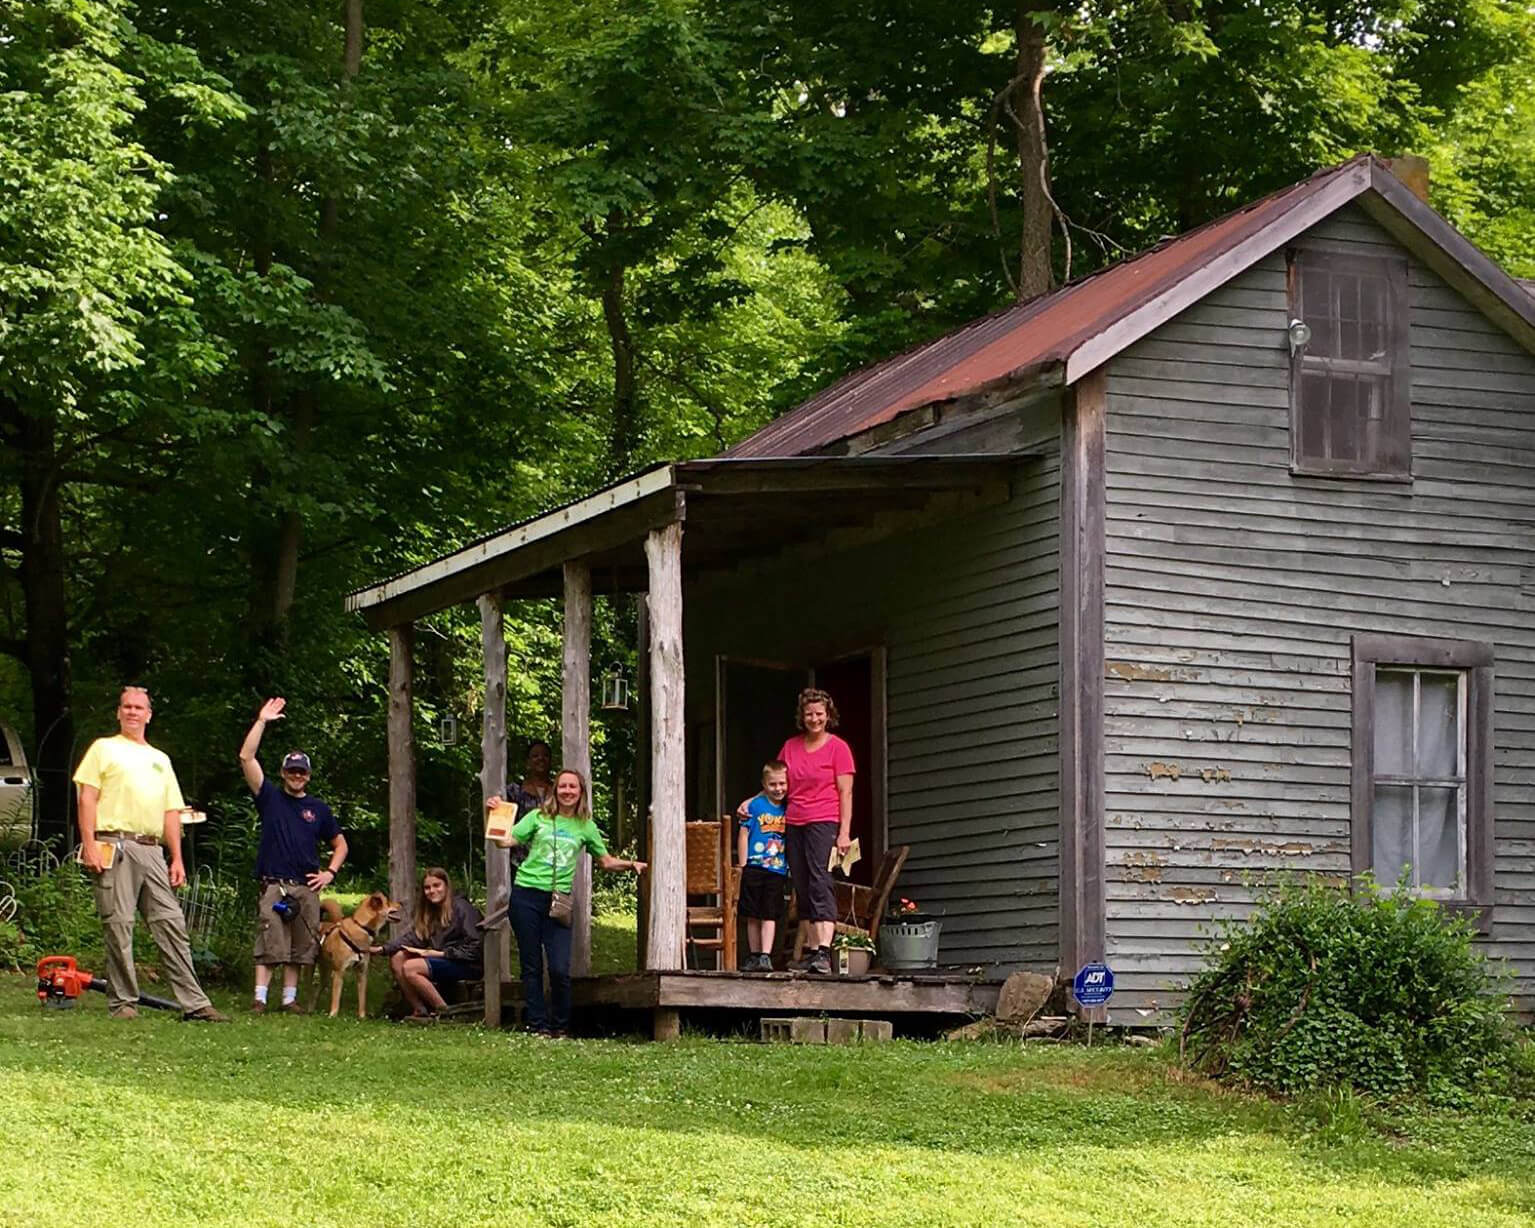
pixel 764 871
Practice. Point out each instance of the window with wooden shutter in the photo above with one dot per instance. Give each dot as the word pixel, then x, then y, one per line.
pixel 1350 383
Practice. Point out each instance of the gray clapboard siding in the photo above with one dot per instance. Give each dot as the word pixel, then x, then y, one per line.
pixel 1232 590
pixel 967 613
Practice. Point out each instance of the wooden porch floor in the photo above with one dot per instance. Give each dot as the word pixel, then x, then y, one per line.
pixel 878 994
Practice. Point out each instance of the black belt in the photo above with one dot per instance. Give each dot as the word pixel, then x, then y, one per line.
pixel 297 882
pixel 134 837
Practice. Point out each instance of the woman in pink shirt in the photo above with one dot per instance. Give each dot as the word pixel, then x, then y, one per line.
pixel 819 818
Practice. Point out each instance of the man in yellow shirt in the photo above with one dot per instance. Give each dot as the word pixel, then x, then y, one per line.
pixel 129 805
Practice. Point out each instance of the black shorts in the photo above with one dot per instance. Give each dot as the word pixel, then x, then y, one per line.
pixel 762 893
pixel 809 846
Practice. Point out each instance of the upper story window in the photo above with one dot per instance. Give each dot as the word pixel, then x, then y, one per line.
pixel 1350 413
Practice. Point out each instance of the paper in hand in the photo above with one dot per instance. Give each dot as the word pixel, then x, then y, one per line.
pixel 499 822
pixel 844 861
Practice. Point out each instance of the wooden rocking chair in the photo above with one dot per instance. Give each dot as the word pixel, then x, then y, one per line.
pixel 860 909
pixel 710 877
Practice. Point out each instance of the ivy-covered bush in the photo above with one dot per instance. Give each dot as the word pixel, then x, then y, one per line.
pixel 1376 991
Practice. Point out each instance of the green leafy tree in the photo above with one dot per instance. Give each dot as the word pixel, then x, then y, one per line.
pixel 96 331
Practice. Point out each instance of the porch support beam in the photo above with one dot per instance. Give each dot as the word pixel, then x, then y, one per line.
pixel 642 772
pixel 402 767
pixel 498 862
pixel 575 742
pixel 668 904
pixel 1081 711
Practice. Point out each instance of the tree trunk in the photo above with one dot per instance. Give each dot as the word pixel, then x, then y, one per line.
pixel 275 568
pixel 1035 276
pixel 46 611
pixel 623 436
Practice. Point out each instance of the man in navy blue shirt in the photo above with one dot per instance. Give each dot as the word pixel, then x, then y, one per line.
pixel 293 825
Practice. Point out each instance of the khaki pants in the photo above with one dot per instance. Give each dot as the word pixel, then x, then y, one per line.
pixel 296 940
pixel 139 882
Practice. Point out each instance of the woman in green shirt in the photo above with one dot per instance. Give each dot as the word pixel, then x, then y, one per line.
pixel 555 840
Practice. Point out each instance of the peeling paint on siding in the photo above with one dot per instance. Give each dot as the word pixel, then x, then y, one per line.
pixel 1276 848
pixel 1131 672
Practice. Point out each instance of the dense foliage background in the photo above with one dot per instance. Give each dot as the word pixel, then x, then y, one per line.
pixel 296 296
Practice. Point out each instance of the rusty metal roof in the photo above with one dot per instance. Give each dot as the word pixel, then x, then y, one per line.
pixel 1044 332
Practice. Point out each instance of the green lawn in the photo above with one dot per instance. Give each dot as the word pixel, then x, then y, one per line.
pixel 296 1121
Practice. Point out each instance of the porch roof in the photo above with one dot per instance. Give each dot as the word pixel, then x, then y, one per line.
pixel 733 509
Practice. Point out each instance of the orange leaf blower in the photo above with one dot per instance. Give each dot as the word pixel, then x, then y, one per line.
pixel 60 982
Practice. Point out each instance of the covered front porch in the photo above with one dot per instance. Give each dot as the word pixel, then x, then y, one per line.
pixel 920 589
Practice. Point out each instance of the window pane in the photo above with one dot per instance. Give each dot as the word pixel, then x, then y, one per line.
pixel 1315 399
pixel 1392 825
pixel 1316 301
pixel 1438 858
pixel 1439 727
pixel 1348 316
pixel 1393 723
pixel 1373 314
pixel 1343 422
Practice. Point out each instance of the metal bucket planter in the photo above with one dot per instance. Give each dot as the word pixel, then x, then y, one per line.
pixel 909 945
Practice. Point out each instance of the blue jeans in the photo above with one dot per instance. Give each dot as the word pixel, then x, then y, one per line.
pixel 538 934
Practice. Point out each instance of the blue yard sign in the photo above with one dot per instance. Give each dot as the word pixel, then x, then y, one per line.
pixel 1094 985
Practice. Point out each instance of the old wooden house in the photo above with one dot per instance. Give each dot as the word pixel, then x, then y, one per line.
pixel 1214 564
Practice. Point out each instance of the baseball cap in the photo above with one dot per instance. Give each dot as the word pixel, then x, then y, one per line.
pixel 296 761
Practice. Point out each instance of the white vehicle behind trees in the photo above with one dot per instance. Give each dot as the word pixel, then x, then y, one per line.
pixel 17 821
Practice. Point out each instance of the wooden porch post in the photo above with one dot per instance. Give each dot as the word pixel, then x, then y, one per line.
pixel 498 862
pixel 668 905
pixel 575 742
pixel 402 767
pixel 642 776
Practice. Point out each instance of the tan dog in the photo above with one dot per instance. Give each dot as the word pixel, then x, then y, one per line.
pixel 344 944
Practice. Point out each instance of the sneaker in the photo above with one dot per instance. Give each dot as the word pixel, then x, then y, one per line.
pixel 124 1012
pixel 204 1014
pixel 258 1007
pixel 802 964
pixel 819 963
pixel 293 1008
pixel 761 962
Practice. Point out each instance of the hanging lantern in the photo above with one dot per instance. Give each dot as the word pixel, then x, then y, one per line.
pixel 450 731
pixel 615 691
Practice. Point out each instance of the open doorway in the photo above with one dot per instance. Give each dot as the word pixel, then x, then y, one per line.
pixel 754 714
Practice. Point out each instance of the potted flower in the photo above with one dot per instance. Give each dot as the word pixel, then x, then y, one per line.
pixel 851 953
pixel 908 938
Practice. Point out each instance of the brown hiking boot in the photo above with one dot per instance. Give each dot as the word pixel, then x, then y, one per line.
pixel 124 1012
pixel 204 1014
pixel 293 1008
pixel 258 1007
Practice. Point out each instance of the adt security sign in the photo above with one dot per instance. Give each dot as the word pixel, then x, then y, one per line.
pixel 1094 985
